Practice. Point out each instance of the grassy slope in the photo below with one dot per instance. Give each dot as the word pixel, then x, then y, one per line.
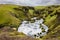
pixel 7 14
pixel 6 17
pixel 50 14
pixel 51 19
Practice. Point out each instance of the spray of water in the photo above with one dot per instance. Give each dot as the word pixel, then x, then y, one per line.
pixel 35 29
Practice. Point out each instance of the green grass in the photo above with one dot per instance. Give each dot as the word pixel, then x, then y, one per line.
pixel 40 7
pixel 6 17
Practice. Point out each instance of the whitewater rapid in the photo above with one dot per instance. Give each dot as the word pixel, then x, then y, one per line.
pixel 31 2
pixel 33 29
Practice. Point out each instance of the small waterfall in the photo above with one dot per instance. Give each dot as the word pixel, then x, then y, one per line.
pixel 35 29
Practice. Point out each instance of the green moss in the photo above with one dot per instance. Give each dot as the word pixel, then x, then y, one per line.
pixel 6 17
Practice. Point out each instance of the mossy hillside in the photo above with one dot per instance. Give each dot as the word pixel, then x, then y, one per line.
pixel 52 21
pixel 5 15
pixel 13 15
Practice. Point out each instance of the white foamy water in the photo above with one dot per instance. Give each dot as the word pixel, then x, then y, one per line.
pixel 31 29
pixel 31 2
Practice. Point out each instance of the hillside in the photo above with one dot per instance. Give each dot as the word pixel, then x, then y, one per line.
pixel 11 17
